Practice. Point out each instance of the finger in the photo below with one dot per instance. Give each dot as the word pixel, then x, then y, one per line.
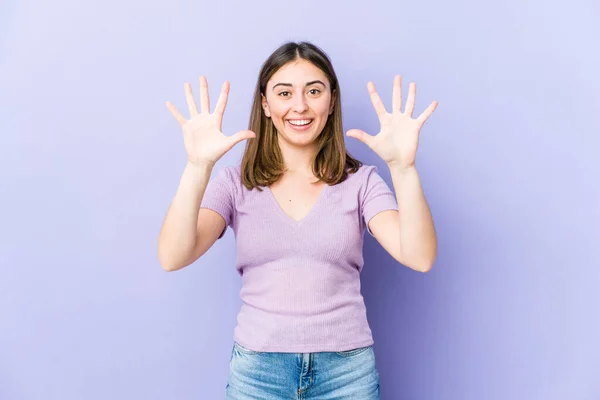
pixel 222 102
pixel 204 98
pixel 376 100
pixel 241 135
pixel 397 94
pixel 425 114
pixel 410 101
pixel 175 113
pixel 360 135
pixel 191 102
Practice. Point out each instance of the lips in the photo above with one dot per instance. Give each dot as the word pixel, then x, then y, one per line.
pixel 299 127
pixel 300 122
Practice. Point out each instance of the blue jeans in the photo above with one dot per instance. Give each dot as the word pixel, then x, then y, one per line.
pixel 340 375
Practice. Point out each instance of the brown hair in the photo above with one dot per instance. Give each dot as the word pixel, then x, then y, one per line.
pixel 262 162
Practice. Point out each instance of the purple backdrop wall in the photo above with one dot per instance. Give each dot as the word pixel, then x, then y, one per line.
pixel 90 159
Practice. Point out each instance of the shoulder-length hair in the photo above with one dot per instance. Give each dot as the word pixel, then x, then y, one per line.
pixel 262 163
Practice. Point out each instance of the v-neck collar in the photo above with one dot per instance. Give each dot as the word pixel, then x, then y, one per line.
pixel 291 220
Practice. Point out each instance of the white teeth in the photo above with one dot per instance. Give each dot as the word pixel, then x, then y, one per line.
pixel 300 122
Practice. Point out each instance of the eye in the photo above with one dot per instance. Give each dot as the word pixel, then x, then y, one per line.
pixel 314 90
pixel 285 91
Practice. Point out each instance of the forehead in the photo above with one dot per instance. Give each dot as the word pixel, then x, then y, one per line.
pixel 298 72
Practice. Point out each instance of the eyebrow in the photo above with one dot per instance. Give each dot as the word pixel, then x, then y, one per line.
pixel 290 85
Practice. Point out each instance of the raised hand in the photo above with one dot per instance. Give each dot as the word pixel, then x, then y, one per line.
pixel 398 139
pixel 202 136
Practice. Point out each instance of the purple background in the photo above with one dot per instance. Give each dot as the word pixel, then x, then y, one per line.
pixel 90 159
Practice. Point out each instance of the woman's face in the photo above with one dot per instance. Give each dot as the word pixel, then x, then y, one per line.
pixel 298 100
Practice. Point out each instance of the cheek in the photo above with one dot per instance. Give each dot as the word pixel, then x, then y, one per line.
pixel 323 106
pixel 279 110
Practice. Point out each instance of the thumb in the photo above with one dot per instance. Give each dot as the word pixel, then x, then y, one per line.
pixel 242 135
pixel 360 135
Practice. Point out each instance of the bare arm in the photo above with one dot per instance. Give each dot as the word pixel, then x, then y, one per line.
pixel 418 241
pixel 179 232
pixel 188 231
pixel 409 233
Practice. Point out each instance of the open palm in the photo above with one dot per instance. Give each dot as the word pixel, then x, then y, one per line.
pixel 398 139
pixel 204 141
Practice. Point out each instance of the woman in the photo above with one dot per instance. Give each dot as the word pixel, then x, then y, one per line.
pixel 299 205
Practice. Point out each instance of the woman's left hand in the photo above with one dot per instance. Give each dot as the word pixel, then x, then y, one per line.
pixel 398 139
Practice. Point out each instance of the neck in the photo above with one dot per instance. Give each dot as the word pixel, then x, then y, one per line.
pixel 298 160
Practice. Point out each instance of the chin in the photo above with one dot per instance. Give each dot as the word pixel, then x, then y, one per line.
pixel 298 140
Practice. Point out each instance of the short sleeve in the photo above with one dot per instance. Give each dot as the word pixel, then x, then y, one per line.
pixel 376 196
pixel 218 196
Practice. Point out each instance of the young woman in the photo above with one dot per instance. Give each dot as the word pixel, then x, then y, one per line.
pixel 299 205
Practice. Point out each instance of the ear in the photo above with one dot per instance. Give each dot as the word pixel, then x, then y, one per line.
pixel 332 105
pixel 265 106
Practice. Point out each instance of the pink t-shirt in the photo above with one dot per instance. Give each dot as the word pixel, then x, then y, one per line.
pixel 300 279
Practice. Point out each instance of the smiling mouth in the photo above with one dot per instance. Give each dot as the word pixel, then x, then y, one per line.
pixel 300 122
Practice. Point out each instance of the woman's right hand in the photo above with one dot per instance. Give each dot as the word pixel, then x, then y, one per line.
pixel 202 136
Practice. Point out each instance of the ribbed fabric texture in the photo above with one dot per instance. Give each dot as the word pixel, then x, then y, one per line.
pixel 300 279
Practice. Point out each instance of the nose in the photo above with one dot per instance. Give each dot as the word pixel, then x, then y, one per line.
pixel 300 104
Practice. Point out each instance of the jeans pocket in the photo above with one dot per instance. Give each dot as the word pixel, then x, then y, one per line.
pixel 244 350
pixel 353 352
